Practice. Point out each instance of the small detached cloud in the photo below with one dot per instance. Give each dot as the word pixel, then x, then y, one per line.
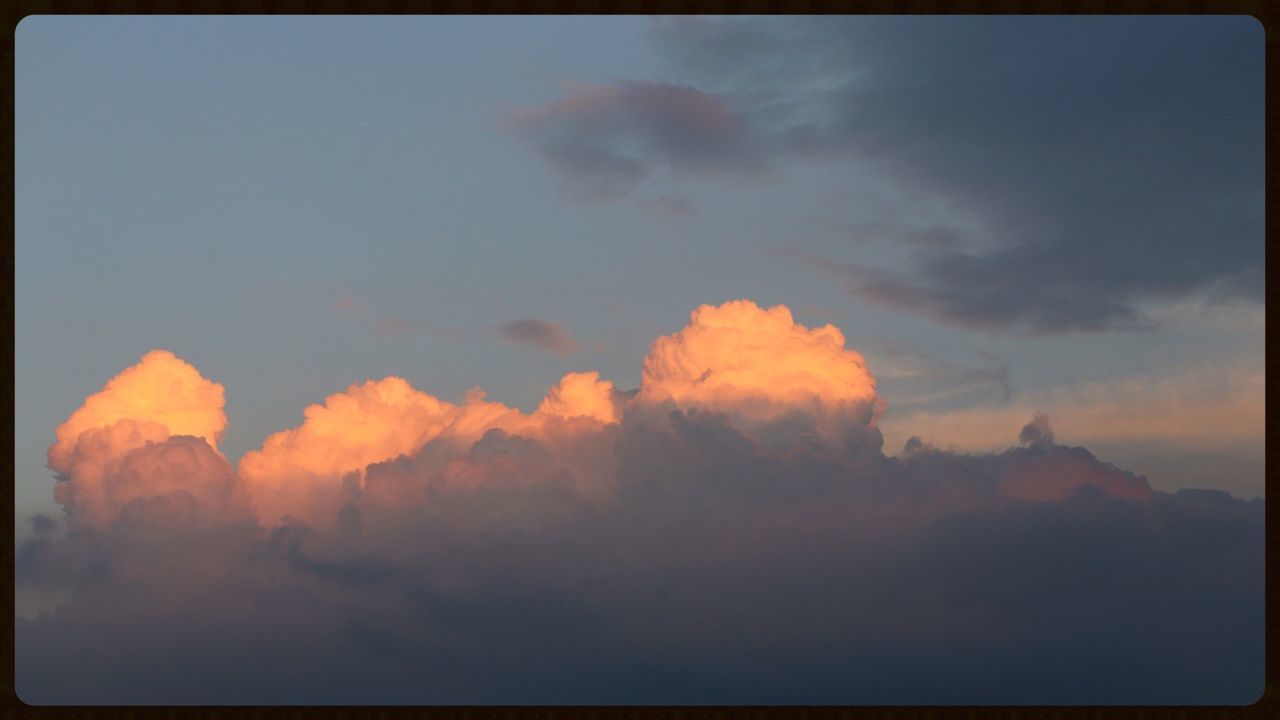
pixel 540 334
pixel 1037 433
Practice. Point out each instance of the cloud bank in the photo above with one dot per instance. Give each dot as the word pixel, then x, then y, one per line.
pixel 730 532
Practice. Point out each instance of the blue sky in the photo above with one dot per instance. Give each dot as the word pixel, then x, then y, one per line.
pixel 296 204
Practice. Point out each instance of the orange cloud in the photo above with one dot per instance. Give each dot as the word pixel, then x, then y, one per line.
pixel 582 395
pixel 298 469
pixel 759 365
pixel 311 471
pixel 161 388
pixel 160 399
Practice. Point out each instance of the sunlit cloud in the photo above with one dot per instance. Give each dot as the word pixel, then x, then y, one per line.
pixel 583 395
pixel 149 427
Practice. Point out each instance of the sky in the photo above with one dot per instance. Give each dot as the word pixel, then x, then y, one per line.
pixel 312 307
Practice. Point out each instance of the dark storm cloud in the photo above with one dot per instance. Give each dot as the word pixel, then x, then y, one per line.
pixel 541 334
pixel 726 570
pixel 1099 164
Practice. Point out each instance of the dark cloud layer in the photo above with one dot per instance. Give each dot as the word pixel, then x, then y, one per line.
pixel 1094 165
pixel 723 570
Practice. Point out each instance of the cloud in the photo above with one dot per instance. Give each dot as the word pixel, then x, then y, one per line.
pixel 541 334
pixel 149 436
pixel 162 390
pixel 301 471
pixel 603 140
pixel 1037 433
pixel 762 368
pixel 583 395
pixel 1084 189
pixel 730 533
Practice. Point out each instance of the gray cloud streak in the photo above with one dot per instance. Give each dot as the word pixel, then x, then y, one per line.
pixel 541 334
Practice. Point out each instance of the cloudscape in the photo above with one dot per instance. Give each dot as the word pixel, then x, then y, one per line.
pixel 732 532
pixel 636 361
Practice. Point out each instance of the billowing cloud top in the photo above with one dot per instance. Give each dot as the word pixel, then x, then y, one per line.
pixel 759 365
pixel 582 395
pixel 149 434
pixel 367 423
pixel 161 389
pixel 740 351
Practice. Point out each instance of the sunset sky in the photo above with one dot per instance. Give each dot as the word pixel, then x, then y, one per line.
pixel 581 279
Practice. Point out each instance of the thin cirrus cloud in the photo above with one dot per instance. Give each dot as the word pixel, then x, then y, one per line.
pixel 729 532
pixel 541 334
pixel 1093 159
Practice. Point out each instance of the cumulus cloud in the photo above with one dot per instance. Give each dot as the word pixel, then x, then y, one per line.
pixel 300 472
pixel 162 390
pixel 148 438
pixel 541 334
pixel 730 533
pixel 760 366
pixel 583 395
